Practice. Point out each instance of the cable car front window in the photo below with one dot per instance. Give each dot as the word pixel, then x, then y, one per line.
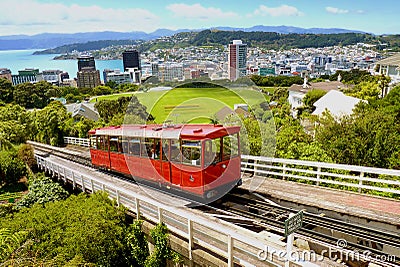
pixel 191 151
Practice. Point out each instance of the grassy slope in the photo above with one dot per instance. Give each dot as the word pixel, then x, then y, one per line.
pixel 192 104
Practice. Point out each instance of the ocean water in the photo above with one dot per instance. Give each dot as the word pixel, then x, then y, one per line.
pixel 20 59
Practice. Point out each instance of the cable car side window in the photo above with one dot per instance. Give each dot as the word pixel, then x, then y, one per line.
pixel 102 142
pixel 146 146
pixel 113 144
pixel 230 147
pixel 165 150
pixel 191 152
pixel 124 145
pixel 216 149
pixel 134 146
pixel 175 151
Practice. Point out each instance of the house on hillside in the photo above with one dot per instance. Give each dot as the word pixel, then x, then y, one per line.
pixel 390 67
pixel 226 112
pixel 337 103
pixel 86 110
pixel 298 92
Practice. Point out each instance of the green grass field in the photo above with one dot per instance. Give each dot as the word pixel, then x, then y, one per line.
pixel 194 105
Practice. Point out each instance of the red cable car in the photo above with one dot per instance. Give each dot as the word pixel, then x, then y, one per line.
pixel 199 159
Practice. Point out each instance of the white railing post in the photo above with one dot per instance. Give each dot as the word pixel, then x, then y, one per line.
pixel 318 175
pixel 73 181
pixel 160 214
pixel 190 238
pixel 103 187
pixel 83 184
pixel 230 251
pixel 137 207
pixel 117 196
pixel 360 182
pixel 65 176
pixel 92 184
pixel 284 171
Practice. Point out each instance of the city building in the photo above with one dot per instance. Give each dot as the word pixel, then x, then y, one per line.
pixel 135 75
pixel 87 76
pixel 131 59
pixel 51 76
pixel 237 59
pixel 28 75
pixel 105 73
pixel 5 74
pixel 170 72
pixel 118 77
pixel 86 62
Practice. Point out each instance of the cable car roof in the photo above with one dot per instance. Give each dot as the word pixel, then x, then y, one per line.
pixel 186 131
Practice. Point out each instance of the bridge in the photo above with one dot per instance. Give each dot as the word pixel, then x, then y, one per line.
pixel 229 243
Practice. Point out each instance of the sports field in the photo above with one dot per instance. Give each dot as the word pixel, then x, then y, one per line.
pixel 193 104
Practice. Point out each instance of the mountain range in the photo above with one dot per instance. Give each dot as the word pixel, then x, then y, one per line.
pixel 51 40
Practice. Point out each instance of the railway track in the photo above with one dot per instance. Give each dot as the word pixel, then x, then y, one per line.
pixel 271 217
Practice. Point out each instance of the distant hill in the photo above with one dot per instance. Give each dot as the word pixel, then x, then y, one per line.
pixel 52 40
pixel 289 29
pixel 216 37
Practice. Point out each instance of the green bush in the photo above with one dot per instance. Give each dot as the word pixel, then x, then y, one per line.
pixel 42 190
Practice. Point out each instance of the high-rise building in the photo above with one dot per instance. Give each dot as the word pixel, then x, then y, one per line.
pixel 237 60
pixel 131 59
pixel 87 76
pixel 86 62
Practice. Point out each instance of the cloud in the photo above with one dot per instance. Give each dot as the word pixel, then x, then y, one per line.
pixel 335 10
pixel 283 10
pixel 34 17
pixel 197 11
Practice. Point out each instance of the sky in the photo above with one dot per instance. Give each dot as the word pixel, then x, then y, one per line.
pixel 55 16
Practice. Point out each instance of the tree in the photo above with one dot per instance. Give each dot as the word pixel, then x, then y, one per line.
pixel 82 127
pixel 15 123
pixel 122 106
pixel 12 168
pixel 31 95
pixel 50 124
pixel 311 97
pixel 6 90
pixel 26 154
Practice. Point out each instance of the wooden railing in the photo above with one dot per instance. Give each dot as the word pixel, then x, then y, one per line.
pixel 77 141
pixel 235 247
pixel 348 177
